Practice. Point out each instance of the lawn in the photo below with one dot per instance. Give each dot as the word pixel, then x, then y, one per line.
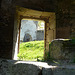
pixel 31 51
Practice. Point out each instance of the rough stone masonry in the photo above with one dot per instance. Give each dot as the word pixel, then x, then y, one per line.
pixel 12 67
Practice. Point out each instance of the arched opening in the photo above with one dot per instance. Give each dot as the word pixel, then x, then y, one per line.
pixel 27 37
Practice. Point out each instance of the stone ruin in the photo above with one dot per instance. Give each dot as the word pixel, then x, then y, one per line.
pixel 59 17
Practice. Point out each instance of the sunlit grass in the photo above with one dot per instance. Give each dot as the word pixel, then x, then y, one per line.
pixel 31 51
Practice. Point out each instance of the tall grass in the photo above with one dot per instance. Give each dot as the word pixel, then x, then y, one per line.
pixel 31 51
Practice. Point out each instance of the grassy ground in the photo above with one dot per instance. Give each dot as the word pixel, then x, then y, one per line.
pixel 31 51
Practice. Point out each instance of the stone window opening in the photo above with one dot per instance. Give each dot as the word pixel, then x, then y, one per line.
pixel 24 13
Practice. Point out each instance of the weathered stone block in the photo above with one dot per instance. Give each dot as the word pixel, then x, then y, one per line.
pixel 64 70
pixel 62 49
pixel 11 67
pixel 46 71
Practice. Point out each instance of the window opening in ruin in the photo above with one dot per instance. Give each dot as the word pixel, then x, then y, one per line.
pixel 31 40
pixel 50 28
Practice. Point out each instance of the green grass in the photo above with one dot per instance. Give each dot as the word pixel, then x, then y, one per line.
pixel 31 51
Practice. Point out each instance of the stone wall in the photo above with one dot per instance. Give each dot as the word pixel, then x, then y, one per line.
pixel 11 67
pixel 65 19
pixel 41 5
pixel 63 49
pixel 6 30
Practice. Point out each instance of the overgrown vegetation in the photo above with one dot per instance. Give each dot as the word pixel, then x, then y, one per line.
pixel 31 51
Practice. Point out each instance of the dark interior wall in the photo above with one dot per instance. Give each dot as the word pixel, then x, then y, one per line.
pixel 65 16
pixel 0 2
pixel 72 18
pixel 42 5
pixel 6 29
